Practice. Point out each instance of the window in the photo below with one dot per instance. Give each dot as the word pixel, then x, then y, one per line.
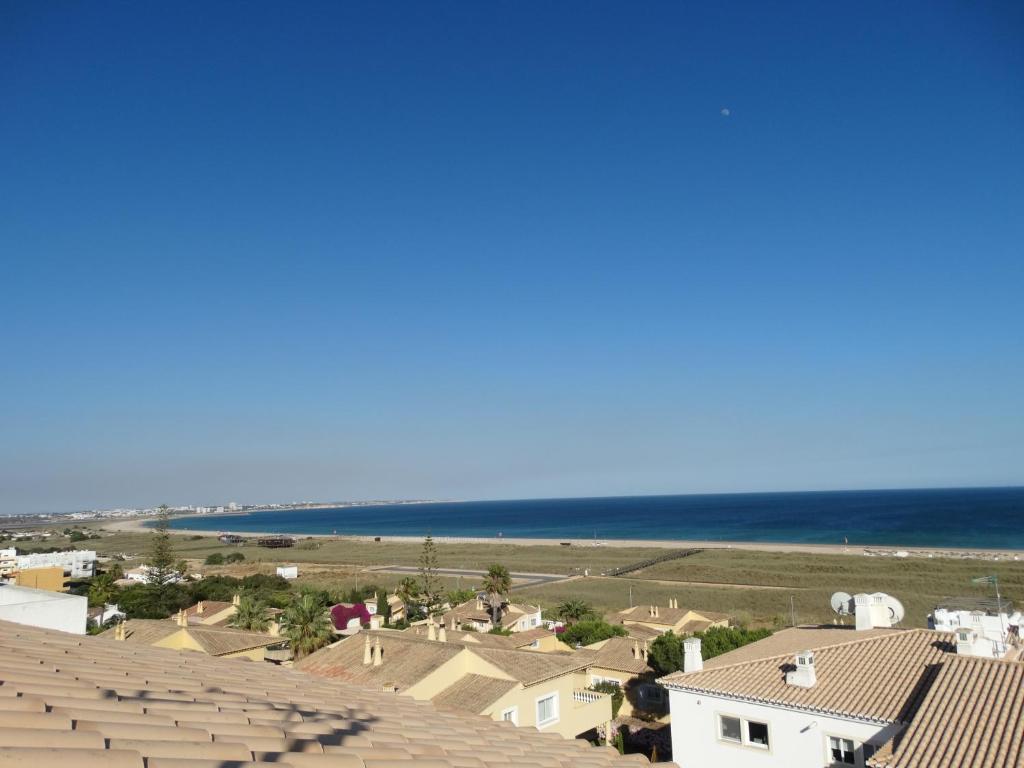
pixel 652 694
pixel 757 733
pixel 730 728
pixel 547 709
pixel 535 621
pixel 511 715
pixel 843 750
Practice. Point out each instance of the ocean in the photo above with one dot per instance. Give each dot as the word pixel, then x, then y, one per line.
pixel 958 517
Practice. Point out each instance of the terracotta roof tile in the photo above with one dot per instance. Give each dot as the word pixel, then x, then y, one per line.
pixel 973 714
pixel 474 693
pixel 880 678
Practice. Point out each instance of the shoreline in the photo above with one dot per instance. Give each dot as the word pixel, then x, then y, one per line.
pixel 137 525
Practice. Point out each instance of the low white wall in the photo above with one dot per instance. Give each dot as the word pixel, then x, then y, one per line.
pixel 39 608
pixel 796 739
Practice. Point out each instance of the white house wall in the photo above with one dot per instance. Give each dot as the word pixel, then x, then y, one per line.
pixel 796 739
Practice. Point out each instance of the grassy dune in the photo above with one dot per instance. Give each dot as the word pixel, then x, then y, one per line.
pixel 765 582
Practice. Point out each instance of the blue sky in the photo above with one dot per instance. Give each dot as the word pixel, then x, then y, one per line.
pixel 258 251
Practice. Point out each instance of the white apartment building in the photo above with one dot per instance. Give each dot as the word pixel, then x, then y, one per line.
pixel 77 563
pixel 42 608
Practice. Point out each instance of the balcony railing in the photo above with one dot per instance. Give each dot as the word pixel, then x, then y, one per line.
pixel 583 696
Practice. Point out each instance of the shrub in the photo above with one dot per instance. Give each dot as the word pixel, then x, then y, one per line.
pixel 215 559
pixel 591 631
pixel 234 557
pixel 614 690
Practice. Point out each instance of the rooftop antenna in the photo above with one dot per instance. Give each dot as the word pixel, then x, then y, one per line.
pixel 993 580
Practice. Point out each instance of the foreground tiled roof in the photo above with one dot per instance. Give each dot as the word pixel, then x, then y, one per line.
pixel 881 678
pixel 85 701
pixel 474 693
pixel 972 715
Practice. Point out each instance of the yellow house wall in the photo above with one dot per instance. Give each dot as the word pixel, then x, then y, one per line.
pixel 179 641
pixel 550 644
pixel 50 579
pixel 463 663
pixel 624 679
pixel 573 718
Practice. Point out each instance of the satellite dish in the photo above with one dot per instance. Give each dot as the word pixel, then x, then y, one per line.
pixel 841 603
pixel 896 609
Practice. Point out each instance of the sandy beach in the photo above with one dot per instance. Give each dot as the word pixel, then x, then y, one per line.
pixel 138 525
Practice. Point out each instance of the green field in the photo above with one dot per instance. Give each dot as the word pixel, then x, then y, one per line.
pixel 768 585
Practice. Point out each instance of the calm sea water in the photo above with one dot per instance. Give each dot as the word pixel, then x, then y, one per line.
pixel 971 517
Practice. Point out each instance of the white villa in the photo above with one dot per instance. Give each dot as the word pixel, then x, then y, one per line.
pixel 989 629
pixel 809 697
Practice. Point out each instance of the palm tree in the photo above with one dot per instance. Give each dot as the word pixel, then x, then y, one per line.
pixel 407 589
pixel 102 590
pixel 306 624
pixel 497 584
pixel 573 610
pixel 250 614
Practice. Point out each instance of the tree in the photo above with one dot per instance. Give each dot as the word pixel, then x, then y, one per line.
pixel 666 653
pixel 497 584
pixel 305 623
pixel 430 582
pixel 591 631
pixel 383 606
pixel 102 589
pixel 459 596
pixel 250 614
pixel 116 571
pixel 573 610
pixel 161 553
pixel 407 589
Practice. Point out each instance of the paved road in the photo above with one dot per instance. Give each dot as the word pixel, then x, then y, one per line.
pixel 520 580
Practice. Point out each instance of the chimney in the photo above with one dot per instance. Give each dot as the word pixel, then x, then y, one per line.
pixel 479 603
pixel 367 652
pixel 650 611
pixel 431 631
pixel 120 632
pixel 804 675
pixel 862 612
pixel 378 653
pixel 375 621
pixel 692 661
pixel 236 599
pixel 453 624
pixel 274 630
pixel 655 611
pixel 636 650
pixel 965 642
pixel 182 618
pixel 200 607
pixel 643 651
pixel 441 635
